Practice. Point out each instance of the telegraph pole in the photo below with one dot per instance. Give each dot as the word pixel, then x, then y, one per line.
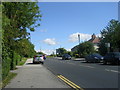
pixel 79 38
pixel 79 43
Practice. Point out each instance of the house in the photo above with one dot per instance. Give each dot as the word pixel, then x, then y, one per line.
pixel 95 40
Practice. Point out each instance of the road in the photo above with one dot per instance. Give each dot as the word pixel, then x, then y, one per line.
pixel 85 75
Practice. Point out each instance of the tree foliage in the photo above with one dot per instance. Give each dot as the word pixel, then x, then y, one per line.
pixel 61 51
pixel 85 48
pixel 18 20
pixel 41 53
pixel 110 34
pixel 22 18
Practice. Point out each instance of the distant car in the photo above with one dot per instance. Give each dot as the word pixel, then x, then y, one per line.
pixel 112 58
pixel 66 57
pixel 38 59
pixel 94 58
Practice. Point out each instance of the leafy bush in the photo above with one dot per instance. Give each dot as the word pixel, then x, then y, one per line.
pixel 5 62
pixel 86 48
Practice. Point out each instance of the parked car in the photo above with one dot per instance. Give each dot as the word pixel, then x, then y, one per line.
pixel 112 58
pixel 39 58
pixel 66 57
pixel 94 58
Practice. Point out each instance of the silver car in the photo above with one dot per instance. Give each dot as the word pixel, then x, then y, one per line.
pixel 38 59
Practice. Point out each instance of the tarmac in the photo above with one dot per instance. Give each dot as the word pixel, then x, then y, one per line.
pixel 35 76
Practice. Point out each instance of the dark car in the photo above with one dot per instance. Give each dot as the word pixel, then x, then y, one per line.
pixel 39 58
pixel 112 58
pixel 66 57
pixel 94 58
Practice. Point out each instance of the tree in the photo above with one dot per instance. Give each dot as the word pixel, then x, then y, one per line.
pixel 111 34
pixel 22 19
pixel 18 19
pixel 70 53
pixel 102 48
pixel 40 53
pixel 86 48
pixel 61 51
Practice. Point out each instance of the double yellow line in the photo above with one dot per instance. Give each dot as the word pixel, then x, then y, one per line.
pixel 73 85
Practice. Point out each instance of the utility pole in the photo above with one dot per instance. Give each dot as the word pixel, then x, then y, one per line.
pixel 40 49
pixel 79 43
pixel 79 38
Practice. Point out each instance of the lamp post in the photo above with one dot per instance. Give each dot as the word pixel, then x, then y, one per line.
pixel 79 38
pixel 79 43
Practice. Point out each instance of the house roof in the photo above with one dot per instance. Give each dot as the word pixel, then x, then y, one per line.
pixel 94 39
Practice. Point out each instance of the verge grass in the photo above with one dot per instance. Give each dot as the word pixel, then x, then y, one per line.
pixel 7 79
pixel 22 62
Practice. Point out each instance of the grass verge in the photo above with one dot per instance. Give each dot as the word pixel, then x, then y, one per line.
pixel 22 61
pixel 7 79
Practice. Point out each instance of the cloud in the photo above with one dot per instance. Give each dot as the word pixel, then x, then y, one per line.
pixel 50 41
pixel 68 49
pixel 47 51
pixel 43 30
pixel 98 35
pixel 83 37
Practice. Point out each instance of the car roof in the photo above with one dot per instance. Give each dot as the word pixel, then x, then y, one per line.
pixel 66 54
pixel 39 55
pixel 114 52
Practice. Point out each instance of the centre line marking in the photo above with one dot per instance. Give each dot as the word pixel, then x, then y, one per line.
pixel 87 66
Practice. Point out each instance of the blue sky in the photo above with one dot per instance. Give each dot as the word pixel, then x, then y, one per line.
pixel 63 21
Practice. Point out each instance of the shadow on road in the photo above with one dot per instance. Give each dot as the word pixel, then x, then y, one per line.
pixel 90 62
pixel 100 63
pixel 32 63
pixel 109 64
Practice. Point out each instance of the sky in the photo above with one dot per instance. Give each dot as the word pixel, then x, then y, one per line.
pixel 63 21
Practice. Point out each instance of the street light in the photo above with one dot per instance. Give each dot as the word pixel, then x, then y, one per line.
pixel 79 43
pixel 79 38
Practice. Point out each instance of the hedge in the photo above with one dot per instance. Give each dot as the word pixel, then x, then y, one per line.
pixel 9 60
pixel 5 61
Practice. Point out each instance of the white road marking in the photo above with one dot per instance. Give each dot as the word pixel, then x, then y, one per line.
pixel 87 66
pixel 112 71
pixel 70 63
pixel 90 66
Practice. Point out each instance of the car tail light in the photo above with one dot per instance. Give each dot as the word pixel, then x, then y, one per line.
pixel 34 57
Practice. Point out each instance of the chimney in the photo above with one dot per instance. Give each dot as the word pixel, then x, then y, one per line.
pixel 93 36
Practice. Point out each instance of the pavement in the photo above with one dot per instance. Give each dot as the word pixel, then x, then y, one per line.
pixel 35 76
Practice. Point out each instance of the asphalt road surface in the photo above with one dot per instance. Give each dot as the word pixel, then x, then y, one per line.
pixel 85 75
